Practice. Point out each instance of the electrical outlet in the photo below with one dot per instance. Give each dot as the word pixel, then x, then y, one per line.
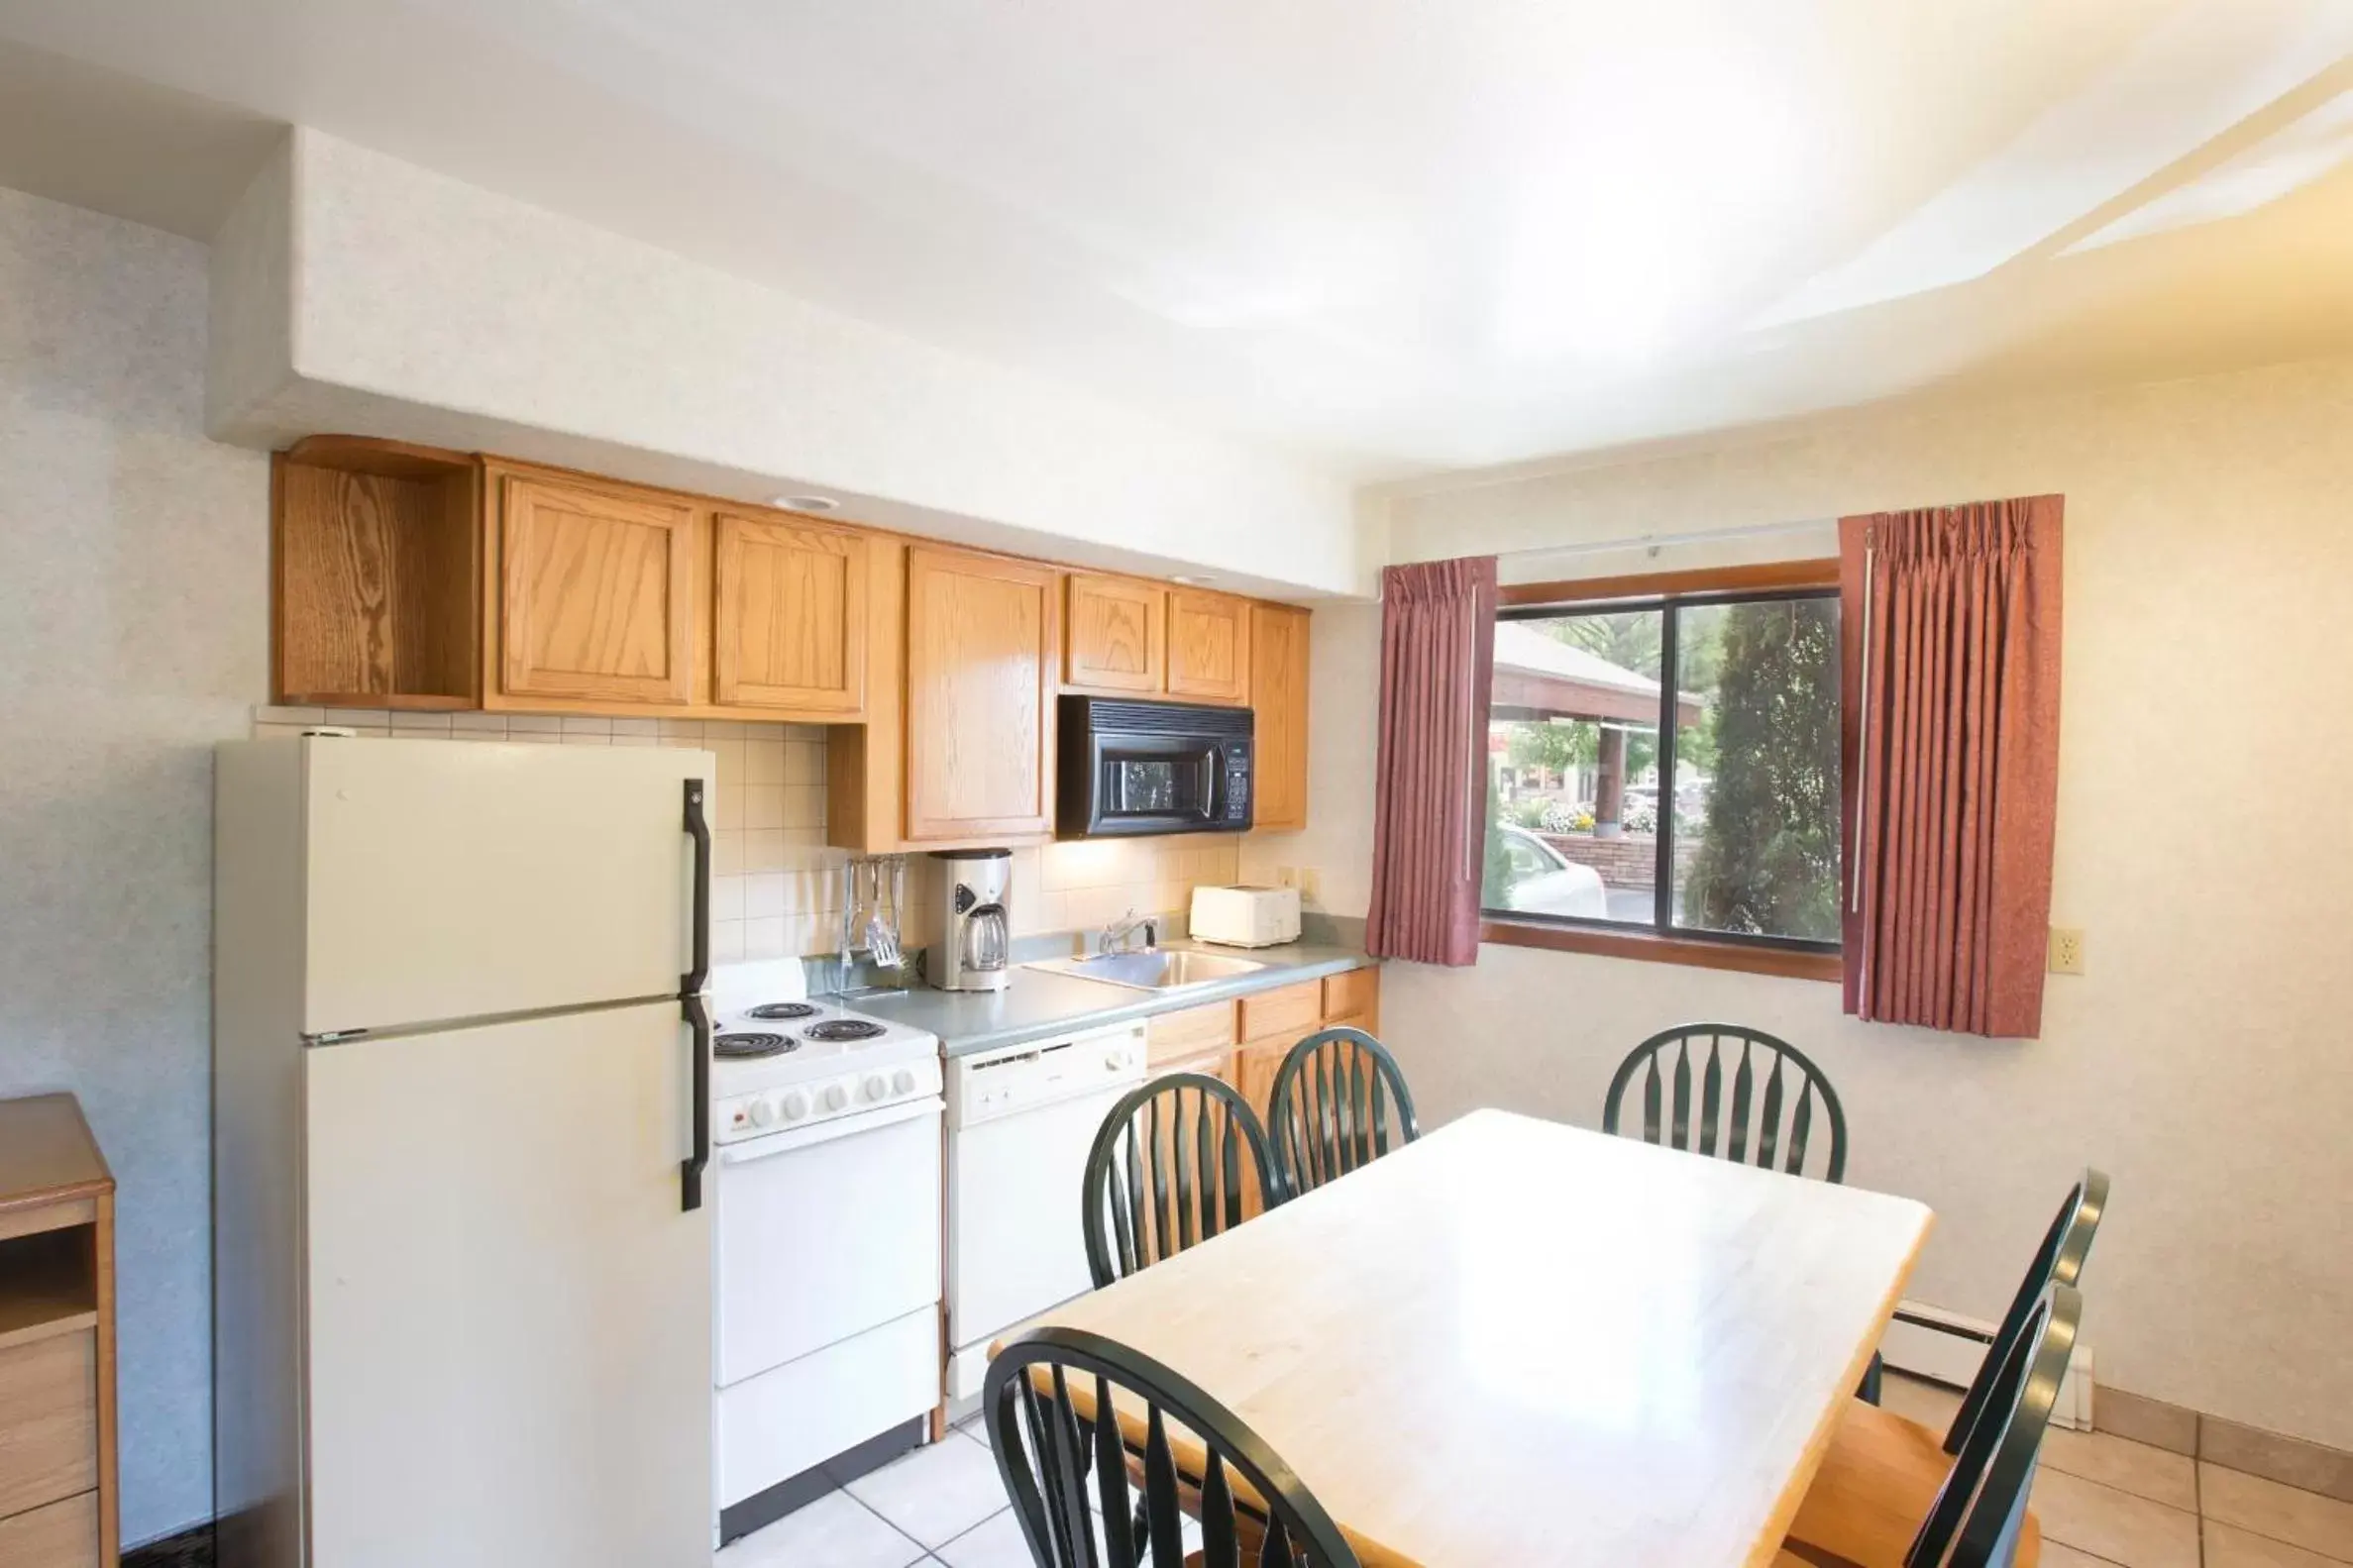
pixel 2067 950
pixel 1311 884
pixel 1286 875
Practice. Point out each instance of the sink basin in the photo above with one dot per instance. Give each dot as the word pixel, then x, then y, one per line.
pixel 1165 968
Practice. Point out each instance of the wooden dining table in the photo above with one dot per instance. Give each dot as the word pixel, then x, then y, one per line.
pixel 1518 1342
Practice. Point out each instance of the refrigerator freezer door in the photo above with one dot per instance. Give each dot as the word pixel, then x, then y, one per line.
pixel 510 1316
pixel 470 882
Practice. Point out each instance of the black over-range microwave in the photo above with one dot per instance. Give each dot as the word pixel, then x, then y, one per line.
pixel 1152 768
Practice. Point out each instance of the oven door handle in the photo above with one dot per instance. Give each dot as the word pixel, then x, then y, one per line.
pixel 825 1132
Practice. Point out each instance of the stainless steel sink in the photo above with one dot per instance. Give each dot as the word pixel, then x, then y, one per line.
pixel 1164 969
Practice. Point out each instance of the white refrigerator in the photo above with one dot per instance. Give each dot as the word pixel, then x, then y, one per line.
pixel 462 1265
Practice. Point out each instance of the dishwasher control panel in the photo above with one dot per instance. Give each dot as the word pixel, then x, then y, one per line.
pixel 1012 1079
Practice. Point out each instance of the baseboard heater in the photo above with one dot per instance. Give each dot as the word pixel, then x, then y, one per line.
pixel 1930 1342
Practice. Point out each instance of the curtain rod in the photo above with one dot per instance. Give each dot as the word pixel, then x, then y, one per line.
pixel 1656 542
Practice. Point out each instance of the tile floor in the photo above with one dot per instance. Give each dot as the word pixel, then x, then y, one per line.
pixel 2105 1503
pixel 942 1504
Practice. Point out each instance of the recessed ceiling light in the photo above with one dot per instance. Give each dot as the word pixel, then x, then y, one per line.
pixel 1192 579
pixel 805 503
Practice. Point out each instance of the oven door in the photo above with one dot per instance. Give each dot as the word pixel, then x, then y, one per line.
pixel 1156 784
pixel 823 1232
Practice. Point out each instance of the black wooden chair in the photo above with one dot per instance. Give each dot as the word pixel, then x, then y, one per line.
pixel 1979 1513
pixel 2057 1261
pixel 1336 1098
pixel 1768 1119
pixel 1898 1463
pixel 1045 1399
pixel 1167 1170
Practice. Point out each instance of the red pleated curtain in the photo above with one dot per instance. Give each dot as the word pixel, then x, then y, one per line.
pixel 1437 651
pixel 1952 762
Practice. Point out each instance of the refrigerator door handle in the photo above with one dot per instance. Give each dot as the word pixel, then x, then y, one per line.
pixel 693 1004
pixel 692 1167
pixel 697 827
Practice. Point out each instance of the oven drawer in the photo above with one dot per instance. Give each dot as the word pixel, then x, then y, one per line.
pixel 825 1233
pixel 773 1426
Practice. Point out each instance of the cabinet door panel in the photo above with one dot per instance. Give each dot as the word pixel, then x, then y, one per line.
pixel 789 602
pixel 1278 696
pixel 1117 633
pixel 982 646
pixel 1209 647
pixel 595 593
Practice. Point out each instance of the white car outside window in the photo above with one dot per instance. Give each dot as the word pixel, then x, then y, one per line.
pixel 1547 881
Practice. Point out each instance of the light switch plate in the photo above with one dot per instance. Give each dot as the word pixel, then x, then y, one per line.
pixel 1311 884
pixel 2067 950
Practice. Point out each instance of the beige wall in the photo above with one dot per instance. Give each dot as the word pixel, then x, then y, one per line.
pixel 2206 844
pixel 134 627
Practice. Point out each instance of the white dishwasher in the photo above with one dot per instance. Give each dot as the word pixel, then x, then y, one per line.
pixel 1021 1120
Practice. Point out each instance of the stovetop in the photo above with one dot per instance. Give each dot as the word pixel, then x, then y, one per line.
pixel 804 1041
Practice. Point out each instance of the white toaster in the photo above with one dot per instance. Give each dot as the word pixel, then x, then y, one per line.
pixel 1244 916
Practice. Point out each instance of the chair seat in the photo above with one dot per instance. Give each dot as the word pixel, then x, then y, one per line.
pixel 1877 1482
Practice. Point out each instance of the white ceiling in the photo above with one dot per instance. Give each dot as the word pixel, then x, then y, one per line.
pixel 1398 234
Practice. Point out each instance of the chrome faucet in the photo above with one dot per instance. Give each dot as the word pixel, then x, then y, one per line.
pixel 1114 937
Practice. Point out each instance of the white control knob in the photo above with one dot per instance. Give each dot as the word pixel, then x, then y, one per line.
pixel 903 1081
pixel 873 1087
pixel 762 1113
pixel 836 1097
pixel 795 1105
pixel 1112 1060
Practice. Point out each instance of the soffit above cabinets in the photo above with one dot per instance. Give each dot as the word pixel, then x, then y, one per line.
pixel 1399 238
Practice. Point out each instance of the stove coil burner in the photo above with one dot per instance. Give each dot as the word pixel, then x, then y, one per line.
pixel 782 1011
pixel 739 1047
pixel 836 1029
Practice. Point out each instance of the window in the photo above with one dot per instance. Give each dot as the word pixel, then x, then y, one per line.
pixel 1697 810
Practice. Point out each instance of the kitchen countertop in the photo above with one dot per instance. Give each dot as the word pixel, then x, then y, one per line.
pixel 1038 1003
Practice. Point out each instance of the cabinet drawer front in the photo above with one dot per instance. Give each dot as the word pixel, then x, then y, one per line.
pixel 1216 1063
pixel 789 606
pixel 1356 992
pixel 49 1420
pixel 64 1534
pixel 1170 1035
pixel 1292 1013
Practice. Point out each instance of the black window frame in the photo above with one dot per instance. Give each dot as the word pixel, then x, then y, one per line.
pixel 1662 924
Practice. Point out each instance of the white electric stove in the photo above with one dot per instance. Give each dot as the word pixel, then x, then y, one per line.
pixel 826 1203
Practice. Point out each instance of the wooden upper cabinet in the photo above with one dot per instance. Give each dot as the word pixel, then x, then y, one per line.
pixel 1116 635
pixel 1209 647
pixel 594 592
pixel 1278 697
pixel 789 615
pixel 982 652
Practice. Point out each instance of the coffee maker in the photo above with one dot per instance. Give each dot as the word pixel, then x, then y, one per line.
pixel 976 953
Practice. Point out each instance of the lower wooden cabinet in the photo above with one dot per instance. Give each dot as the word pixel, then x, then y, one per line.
pixel 57 1339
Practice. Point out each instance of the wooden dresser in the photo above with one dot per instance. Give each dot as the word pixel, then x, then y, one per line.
pixel 57 1339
